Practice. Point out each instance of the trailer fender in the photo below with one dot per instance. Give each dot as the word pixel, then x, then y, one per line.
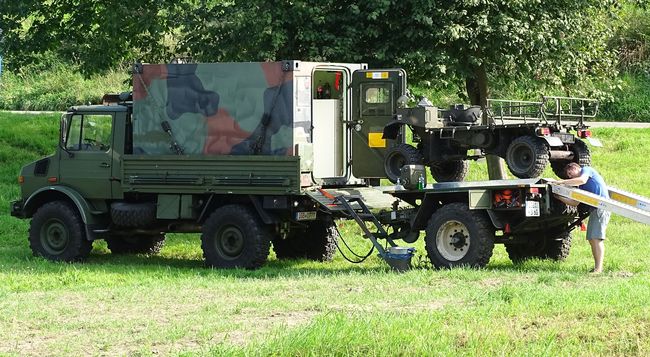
pixel 391 130
pixel 53 193
pixel 553 140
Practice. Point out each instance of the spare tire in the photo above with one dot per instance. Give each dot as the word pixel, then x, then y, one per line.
pixel 140 215
pixel 399 156
pixel 449 171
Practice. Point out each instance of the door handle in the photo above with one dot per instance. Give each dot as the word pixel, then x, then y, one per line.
pixel 103 164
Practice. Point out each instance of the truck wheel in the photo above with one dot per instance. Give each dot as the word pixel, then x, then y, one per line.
pixel 399 156
pixel 449 171
pixel 57 233
pixel 581 156
pixel 527 156
pixel 133 214
pixel 317 242
pixel 136 244
pixel 234 237
pixel 458 236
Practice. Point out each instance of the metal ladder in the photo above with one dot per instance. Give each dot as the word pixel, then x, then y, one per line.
pixel 361 214
pixel 623 203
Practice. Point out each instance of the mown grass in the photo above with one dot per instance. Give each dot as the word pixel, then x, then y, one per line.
pixel 171 304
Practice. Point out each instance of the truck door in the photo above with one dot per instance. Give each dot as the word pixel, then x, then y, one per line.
pixel 374 99
pixel 86 160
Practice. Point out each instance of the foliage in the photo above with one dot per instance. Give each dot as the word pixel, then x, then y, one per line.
pixel 56 88
pixel 632 38
pixel 95 34
pixel 557 41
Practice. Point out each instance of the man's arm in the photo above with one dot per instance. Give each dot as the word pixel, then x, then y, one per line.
pixel 576 181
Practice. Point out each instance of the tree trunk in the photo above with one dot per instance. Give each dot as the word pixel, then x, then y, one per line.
pixel 477 91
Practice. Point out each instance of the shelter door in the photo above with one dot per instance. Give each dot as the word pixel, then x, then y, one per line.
pixel 374 100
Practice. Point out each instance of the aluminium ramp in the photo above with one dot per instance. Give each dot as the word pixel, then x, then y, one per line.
pixel 622 203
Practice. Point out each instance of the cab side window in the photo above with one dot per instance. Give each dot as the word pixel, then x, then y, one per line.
pixel 89 133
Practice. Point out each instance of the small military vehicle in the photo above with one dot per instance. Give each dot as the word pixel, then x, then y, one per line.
pixel 254 155
pixel 528 135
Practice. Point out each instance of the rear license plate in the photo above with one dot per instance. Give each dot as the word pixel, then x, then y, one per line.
pixel 532 209
pixel 306 216
pixel 565 137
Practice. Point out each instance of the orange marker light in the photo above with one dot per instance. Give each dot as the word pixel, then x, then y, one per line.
pixel 52 179
pixel 21 179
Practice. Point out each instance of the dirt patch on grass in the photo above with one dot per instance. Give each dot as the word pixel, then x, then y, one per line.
pixel 159 322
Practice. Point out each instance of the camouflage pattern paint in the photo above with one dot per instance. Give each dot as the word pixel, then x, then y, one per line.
pixel 214 108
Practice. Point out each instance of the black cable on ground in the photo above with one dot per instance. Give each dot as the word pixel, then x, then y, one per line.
pixel 362 258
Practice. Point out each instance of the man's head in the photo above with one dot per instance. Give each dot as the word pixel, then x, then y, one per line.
pixel 572 170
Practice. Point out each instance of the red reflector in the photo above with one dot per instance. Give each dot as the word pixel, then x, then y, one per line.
pixel 583 227
pixel 506 229
pixel 52 179
pixel 534 190
pixel 584 133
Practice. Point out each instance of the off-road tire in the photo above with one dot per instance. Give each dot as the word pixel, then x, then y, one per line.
pixel 532 248
pixel 449 171
pixel 558 247
pixel 58 233
pixel 480 234
pixel 399 156
pixel 136 244
pixel 581 156
pixel 317 242
pixel 133 215
pixel 233 236
pixel 555 247
pixel 527 156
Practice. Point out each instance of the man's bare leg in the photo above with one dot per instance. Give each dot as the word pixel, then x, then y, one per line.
pixel 598 251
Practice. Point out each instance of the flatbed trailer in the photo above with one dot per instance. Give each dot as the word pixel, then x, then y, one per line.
pixel 463 221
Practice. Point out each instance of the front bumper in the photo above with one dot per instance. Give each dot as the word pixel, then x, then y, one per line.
pixel 17 209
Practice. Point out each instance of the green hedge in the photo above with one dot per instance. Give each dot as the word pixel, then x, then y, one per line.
pixel 57 88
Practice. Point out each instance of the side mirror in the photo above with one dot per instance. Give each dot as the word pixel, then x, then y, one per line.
pixel 63 134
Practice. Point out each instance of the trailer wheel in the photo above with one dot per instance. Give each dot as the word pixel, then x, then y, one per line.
pixel 136 244
pixel 399 156
pixel 317 242
pixel 233 236
pixel 555 247
pixel 581 156
pixel 57 233
pixel 527 156
pixel 558 247
pixel 532 248
pixel 449 171
pixel 458 236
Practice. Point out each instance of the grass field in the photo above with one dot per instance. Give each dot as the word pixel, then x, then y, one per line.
pixel 171 304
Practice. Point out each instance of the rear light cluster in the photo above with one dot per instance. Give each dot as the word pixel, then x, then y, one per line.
pixel 544 131
pixel 584 133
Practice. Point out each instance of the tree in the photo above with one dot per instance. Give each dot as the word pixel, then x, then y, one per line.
pixel 466 41
pixel 95 34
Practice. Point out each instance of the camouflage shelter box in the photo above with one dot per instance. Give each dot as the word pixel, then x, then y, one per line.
pixel 214 109
pixel 325 113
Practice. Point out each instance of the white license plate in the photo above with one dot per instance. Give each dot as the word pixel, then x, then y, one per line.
pixel 306 216
pixel 532 209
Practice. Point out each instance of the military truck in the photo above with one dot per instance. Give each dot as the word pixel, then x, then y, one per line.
pixel 528 135
pixel 258 154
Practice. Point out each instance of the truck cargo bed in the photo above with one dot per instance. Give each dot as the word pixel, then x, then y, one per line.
pixel 242 174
